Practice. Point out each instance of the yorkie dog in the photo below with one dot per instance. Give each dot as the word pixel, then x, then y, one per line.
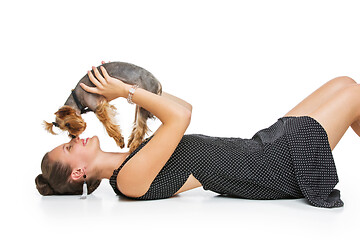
pixel 68 117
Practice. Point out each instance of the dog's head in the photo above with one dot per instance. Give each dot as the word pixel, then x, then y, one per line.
pixel 67 120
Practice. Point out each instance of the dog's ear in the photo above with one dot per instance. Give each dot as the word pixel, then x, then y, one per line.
pixel 49 127
pixel 64 111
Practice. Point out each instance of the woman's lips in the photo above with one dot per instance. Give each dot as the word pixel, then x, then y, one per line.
pixel 85 141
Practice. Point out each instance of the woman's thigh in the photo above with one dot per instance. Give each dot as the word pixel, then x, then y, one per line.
pixel 321 95
pixel 338 113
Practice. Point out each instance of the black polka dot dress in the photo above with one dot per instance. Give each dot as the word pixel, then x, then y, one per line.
pixel 290 159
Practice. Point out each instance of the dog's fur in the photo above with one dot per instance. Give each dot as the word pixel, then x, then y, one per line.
pixel 68 117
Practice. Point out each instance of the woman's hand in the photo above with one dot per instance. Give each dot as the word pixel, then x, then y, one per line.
pixel 107 86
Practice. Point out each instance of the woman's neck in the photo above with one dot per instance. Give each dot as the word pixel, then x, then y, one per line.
pixel 107 162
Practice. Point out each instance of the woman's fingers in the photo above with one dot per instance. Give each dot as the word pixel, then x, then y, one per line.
pixel 104 72
pixel 94 80
pixel 101 83
pixel 98 76
pixel 89 89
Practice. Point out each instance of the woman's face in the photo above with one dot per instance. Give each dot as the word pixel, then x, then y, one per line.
pixel 77 153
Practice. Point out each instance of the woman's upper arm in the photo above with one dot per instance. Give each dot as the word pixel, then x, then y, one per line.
pixel 138 174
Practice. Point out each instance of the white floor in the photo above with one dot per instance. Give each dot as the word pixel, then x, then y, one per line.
pixel 193 214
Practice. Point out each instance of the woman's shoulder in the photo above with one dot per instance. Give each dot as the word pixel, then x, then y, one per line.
pixel 138 174
pixel 123 178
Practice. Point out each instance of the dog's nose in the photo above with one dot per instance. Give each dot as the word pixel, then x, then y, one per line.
pixel 75 139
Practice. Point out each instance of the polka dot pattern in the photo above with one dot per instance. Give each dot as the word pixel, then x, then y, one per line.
pixel 290 159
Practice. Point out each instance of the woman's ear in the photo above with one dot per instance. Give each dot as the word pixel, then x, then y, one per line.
pixel 77 173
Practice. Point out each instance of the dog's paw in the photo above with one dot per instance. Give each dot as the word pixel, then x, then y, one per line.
pixel 120 141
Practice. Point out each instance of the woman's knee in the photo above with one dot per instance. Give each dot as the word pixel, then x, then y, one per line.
pixel 351 95
pixel 343 81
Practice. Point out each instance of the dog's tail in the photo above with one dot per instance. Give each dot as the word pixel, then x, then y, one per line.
pixel 49 127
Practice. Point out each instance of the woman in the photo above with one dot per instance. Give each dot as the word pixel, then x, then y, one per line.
pixel 290 159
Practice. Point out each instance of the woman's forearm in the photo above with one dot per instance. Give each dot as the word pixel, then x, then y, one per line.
pixel 162 107
pixel 178 100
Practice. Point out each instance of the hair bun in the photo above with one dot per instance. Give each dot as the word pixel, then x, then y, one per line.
pixel 43 186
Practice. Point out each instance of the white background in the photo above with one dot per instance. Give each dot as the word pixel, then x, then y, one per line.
pixel 241 64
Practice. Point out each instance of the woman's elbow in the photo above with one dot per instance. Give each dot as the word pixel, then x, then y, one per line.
pixel 190 108
pixel 185 115
pixel 189 113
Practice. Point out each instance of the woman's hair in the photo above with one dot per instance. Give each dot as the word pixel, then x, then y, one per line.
pixel 55 179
